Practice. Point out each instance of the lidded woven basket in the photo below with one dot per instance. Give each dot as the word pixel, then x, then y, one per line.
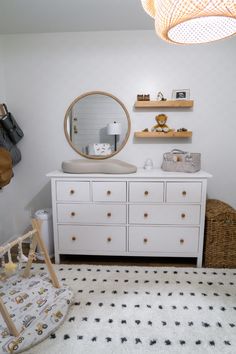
pixel 220 235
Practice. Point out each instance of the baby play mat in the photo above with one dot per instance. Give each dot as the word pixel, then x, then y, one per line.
pixel 36 307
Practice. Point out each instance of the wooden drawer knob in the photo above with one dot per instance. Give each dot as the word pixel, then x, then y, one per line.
pixel 108 192
pixel 181 241
pixel 145 240
pixel 146 193
pixel 72 191
pixel 72 213
pixel 108 215
pixel 183 216
pixel 73 238
pixel 109 239
pixel 184 193
pixel 145 215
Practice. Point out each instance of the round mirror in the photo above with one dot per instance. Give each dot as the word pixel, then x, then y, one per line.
pixel 97 125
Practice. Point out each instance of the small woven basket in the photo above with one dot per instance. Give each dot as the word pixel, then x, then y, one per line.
pixel 181 161
pixel 220 235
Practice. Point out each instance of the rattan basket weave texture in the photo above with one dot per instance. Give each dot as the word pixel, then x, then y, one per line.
pixel 220 235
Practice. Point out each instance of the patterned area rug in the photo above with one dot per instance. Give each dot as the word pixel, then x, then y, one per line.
pixel 129 309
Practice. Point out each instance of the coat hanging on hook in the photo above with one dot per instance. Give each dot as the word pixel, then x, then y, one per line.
pixel 6 172
pixel 5 141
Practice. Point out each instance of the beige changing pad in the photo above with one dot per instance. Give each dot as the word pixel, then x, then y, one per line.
pixel 112 166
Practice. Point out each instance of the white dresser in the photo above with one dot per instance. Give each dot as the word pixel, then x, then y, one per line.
pixel 147 213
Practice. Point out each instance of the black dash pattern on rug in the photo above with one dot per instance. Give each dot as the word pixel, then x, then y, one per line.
pixel 147 309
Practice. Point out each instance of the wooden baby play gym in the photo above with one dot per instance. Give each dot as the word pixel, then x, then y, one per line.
pixel 32 305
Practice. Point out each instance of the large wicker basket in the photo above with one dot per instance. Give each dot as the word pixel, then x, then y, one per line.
pixel 220 235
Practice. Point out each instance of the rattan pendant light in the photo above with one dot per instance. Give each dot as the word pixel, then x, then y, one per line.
pixel 192 21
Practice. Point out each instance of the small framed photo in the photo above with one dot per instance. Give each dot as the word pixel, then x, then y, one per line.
pixel 182 94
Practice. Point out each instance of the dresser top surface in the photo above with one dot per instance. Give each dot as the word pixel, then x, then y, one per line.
pixel 154 173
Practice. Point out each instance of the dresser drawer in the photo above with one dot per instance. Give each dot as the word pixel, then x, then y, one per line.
pixel 163 239
pixel 164 214
pixel 77 238
pixel 146 192
pixel 72 191
pixel 109 191
pixel 183 192
pixel 91 213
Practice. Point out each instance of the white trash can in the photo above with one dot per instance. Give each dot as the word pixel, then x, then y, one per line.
pixel 45 215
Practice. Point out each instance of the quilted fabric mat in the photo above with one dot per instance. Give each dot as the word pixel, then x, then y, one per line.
pixel 36 307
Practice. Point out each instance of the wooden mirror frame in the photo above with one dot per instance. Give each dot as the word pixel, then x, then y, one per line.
pixel 73 145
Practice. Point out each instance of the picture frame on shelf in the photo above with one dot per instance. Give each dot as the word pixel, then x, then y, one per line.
pixel 181 94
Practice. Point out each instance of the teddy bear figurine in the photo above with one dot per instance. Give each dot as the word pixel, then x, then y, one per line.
pixel 161 125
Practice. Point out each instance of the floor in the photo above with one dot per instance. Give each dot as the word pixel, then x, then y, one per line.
pixel 142 261
pixel 118 260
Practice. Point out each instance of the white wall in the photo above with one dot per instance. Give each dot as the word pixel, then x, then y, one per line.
pixel 2 83
pixel 5 194
pixel 46 72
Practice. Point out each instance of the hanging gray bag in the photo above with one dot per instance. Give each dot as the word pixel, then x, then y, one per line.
pixel 11 127
pixel 6 143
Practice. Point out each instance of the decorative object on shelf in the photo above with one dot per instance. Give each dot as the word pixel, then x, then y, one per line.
pixel 114 129
pixel 143 97
pixel 146 97
pixel 139 97
pixel 181 94
pixel 191 22
pixel 160 97
pixel 148 164
pixel 161 125
pixel 145 130
pixel 181 161
pixel 182 130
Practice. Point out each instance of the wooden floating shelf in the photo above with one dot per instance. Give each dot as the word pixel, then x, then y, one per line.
pixel 187 134
pixel 164 104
